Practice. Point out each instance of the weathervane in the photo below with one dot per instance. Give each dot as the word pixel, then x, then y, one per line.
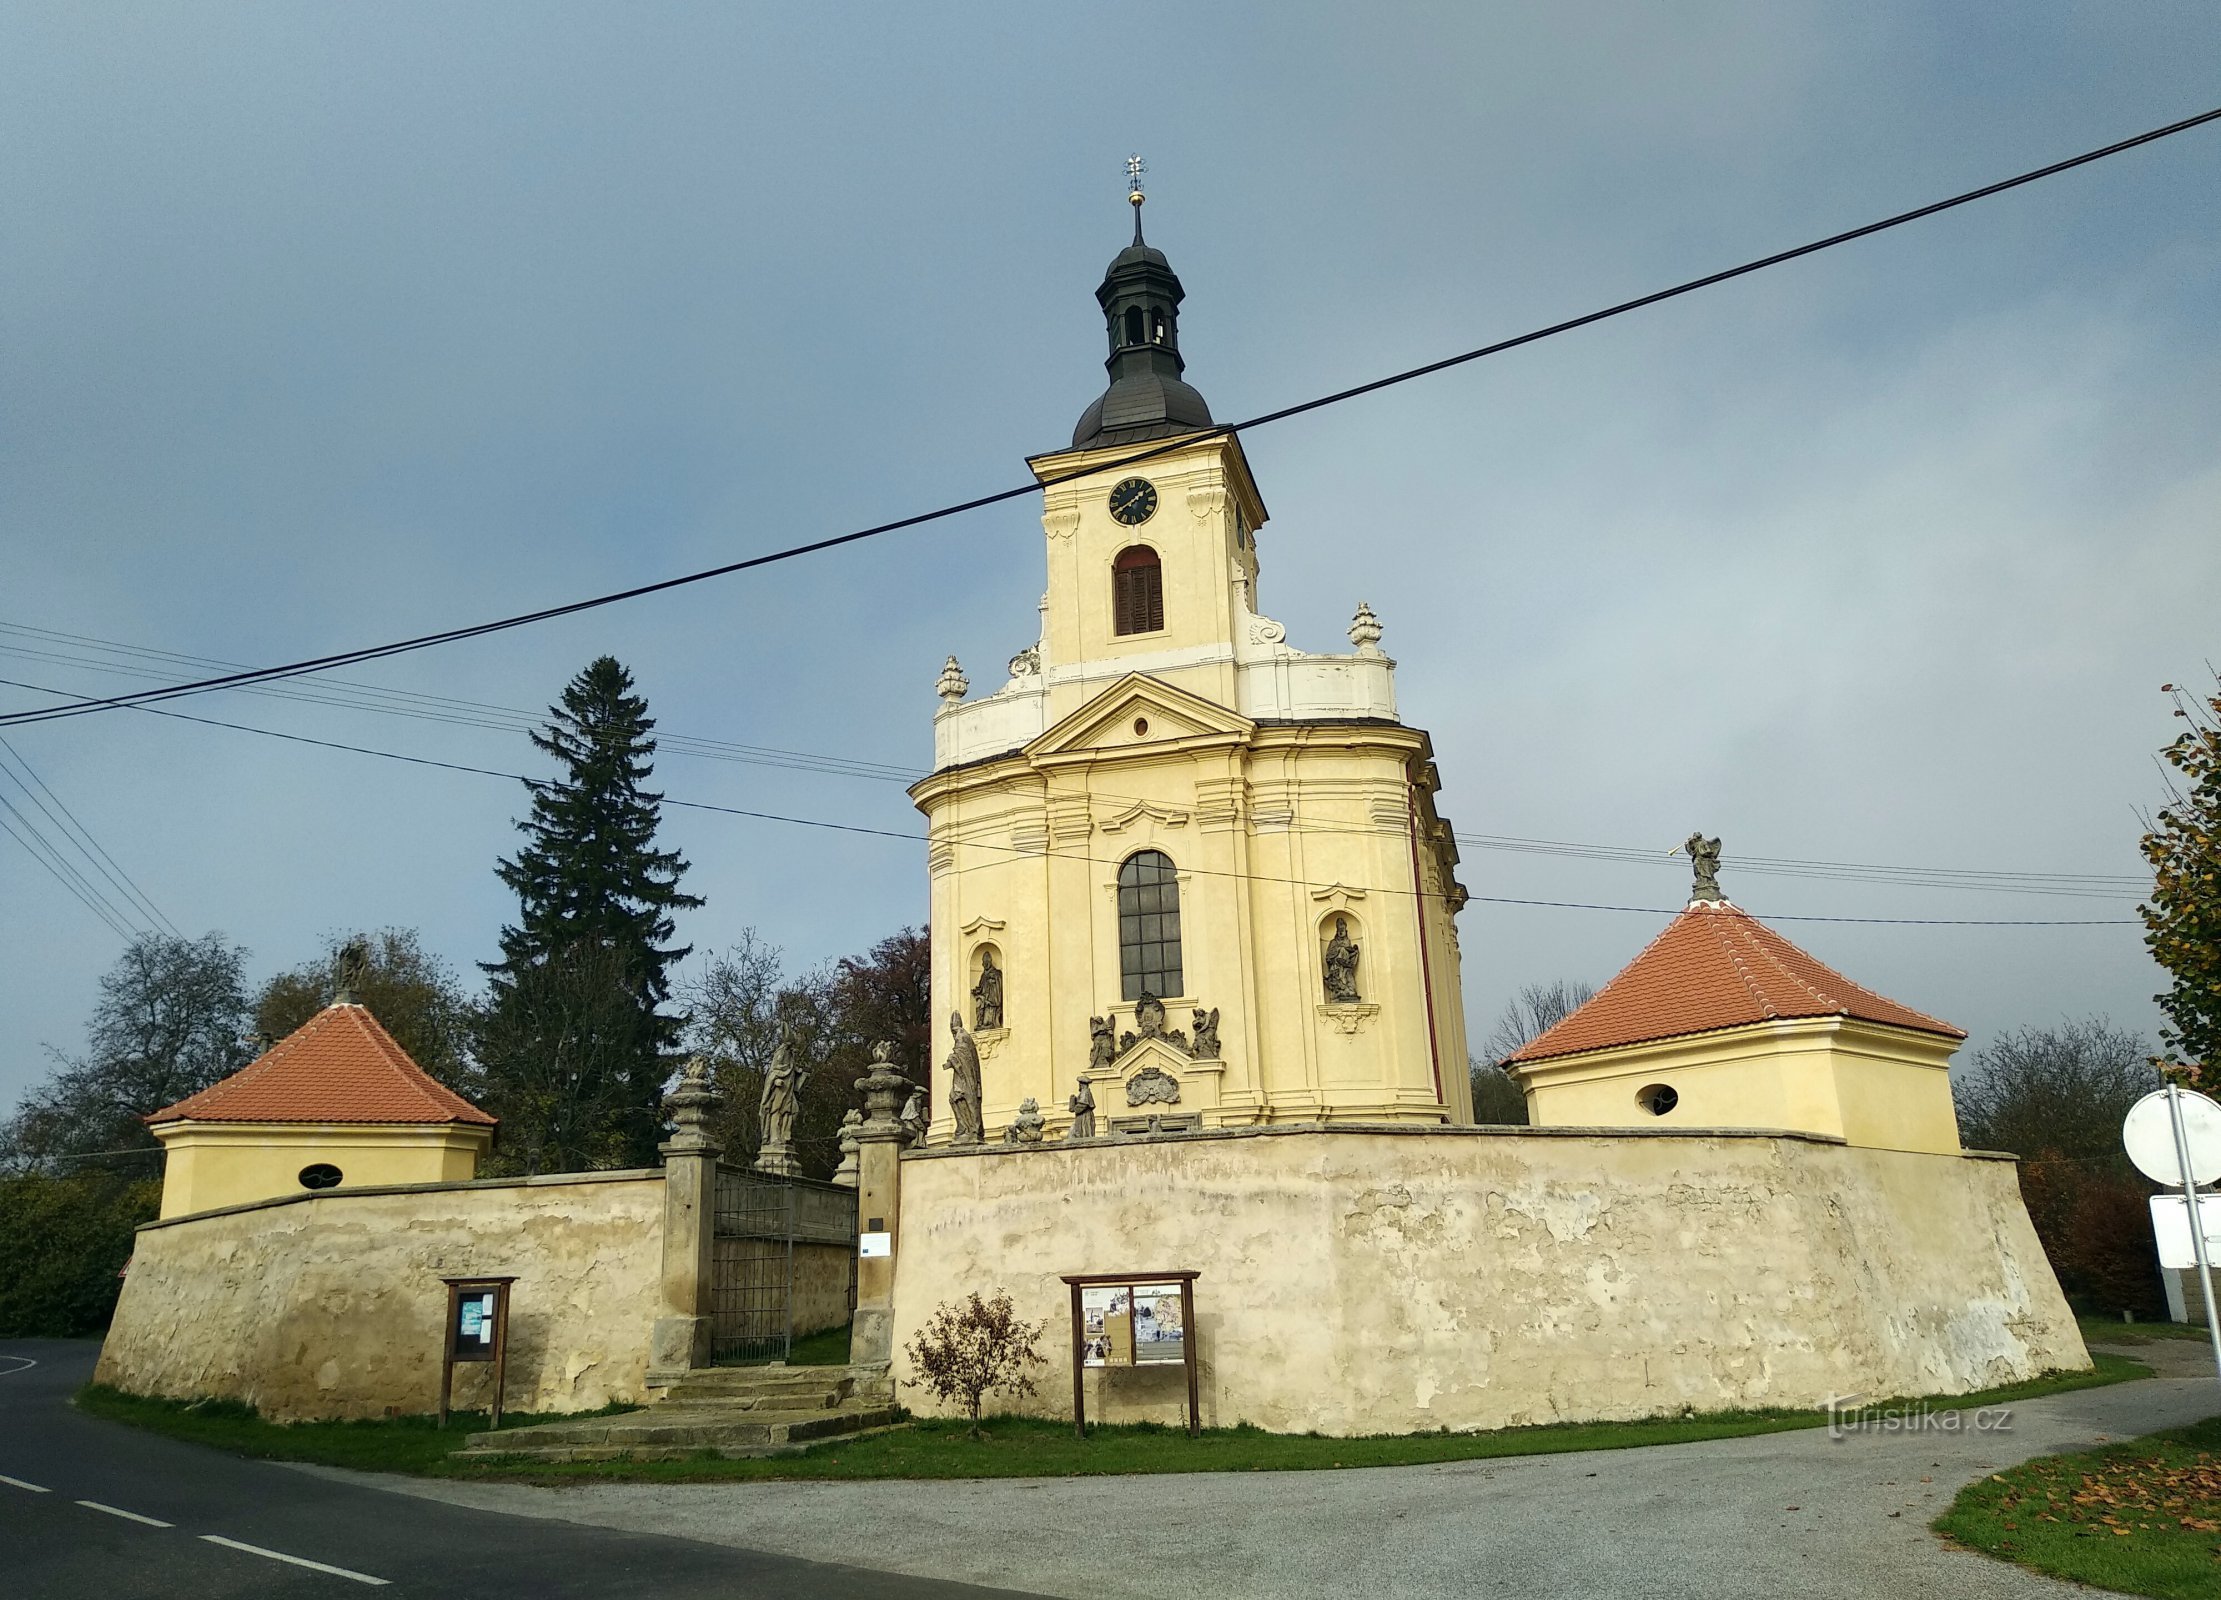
pixel 1135 167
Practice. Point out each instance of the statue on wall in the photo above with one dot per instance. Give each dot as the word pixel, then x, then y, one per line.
pixel 783 1082
pixel 1028 1127
pixel 1082 1107
pixel 1341 965
pixel 964 1090
pixel 1206 1034
pixel 914 1115
pixel 1102 1044
pixel 1704 861
pixel 352 963
pixel 849 1174
pixel 987 994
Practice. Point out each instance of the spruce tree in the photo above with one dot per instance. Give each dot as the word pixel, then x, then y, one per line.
pixel 595 901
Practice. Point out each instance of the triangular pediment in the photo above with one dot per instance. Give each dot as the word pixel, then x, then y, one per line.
pixel 1107 721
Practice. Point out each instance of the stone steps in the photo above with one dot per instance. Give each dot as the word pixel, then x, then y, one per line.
pixel 730 1411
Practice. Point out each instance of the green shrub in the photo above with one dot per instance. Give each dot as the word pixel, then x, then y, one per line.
pixel 63 1241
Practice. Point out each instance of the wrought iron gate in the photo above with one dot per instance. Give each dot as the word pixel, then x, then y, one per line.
pixel 757 1223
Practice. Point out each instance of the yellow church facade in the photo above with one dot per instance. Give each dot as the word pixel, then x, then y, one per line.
pixel 1172 857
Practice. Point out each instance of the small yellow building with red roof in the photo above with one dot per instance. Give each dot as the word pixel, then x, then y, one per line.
pixel 336 1102
pixel 1721 1022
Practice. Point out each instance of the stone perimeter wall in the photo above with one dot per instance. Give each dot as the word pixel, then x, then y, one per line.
pixel 1387 1280
pixel 330 1305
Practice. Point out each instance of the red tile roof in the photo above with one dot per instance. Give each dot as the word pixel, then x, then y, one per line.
pixel 339 1066
pixel 1716 966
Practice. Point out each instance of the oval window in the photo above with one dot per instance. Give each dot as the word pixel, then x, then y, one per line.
pixel 323 1175
pixel 1658 1099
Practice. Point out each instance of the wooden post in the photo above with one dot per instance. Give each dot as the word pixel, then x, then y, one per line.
pixel 1187 1347
pixel 1079 1367
pixel 501 1354
pixel 447 1350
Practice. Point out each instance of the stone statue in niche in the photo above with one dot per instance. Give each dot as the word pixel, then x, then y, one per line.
pixel 964 1091
pixel 1082 1107
pixel 1341 965
pixel 1027 1127
pixel 783 1082
pixel 1206 1034
pixel 1152 1086
pixel 1149 1019
pixel 987 994
pixel 1102 1044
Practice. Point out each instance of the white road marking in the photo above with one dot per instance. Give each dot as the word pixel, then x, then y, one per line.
pixel 294 1561
pixel 24 1364
pixel 128 1516
pixel 18 1483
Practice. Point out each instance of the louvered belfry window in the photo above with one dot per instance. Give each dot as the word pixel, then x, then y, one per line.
pixel 1137 591
pixel 1149 925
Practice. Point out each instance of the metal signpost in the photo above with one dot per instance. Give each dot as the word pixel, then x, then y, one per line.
pixel 477 1330
pixel 2174 1138
pixel 1115 1315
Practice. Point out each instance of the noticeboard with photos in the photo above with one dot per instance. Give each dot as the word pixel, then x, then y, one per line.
pixel 1128 1320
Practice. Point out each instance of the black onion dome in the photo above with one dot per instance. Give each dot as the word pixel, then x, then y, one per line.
pixel 1140 297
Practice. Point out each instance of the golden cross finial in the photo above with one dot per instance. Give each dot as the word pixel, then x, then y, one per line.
pixel 1135 167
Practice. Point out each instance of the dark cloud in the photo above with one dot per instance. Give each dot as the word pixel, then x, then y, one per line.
pixel 321 326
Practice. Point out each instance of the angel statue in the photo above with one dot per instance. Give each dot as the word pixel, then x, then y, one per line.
pixel 1704 861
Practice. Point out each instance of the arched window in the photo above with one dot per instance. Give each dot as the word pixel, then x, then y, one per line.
pixel 1133 325
pixel 1148 926
pixel 1156 327
pixel 1137 591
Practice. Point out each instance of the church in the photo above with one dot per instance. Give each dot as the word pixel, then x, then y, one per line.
pixel 1184 874
pixel 1196 979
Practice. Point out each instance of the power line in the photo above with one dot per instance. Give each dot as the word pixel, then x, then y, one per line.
pixel 43 853
pixel 2102 886
pixel 1017 850
pixel 548 613
pixel 80 836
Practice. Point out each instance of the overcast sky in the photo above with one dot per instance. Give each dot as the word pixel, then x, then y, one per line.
pixel 321 325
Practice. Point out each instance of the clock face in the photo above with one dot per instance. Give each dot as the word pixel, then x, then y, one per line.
pixel 1133 501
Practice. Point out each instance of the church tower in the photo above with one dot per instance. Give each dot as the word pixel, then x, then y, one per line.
pixel 1174 858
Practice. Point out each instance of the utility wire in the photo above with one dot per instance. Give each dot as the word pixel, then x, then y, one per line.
pixel 87 846
pixel 980 844
pixel 2101 886
pixel 548 613
pixel 24 834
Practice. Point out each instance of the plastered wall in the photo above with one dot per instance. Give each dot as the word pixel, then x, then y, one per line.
pixel 1393 1280
pixel 331 1305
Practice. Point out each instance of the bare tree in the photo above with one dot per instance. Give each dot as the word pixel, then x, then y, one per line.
pixel 2059 1091
pixel 1537 1008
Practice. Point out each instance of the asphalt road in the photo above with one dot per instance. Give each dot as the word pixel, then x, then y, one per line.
pixel 1728 1519
pixel 91 1508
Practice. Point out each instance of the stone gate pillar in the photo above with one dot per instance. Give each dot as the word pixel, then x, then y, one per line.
pixel 681 1337
pixel 879 1146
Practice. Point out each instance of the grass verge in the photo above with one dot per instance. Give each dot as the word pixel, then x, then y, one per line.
pixel 2111 1330
pixel 2143 1517
pixel 1015 1447
pixel 394 1444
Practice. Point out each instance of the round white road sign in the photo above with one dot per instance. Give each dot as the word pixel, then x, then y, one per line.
pixel 2149 1134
